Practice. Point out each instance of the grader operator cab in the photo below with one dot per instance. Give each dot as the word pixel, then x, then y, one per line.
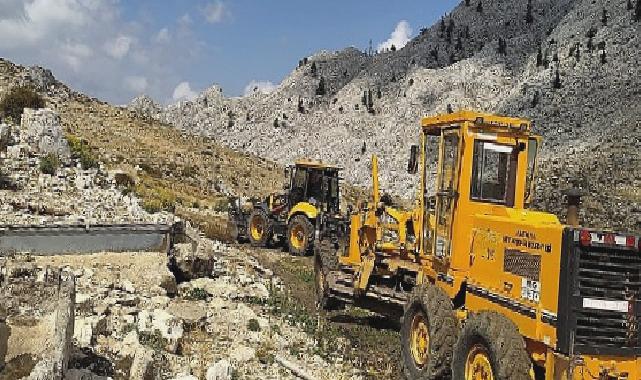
pixel 487 288
pixel 312 189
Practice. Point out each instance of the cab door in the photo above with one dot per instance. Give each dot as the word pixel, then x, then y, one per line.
pixel 446 192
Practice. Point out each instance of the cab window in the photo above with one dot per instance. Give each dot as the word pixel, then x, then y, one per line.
pixel 494 173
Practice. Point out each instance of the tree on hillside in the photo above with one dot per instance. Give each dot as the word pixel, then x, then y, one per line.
pixel 557 80
pixel 604 58
pixel 637 12
pixel 393 47
pixel 13 103
pixel 630 6
pixel 379 93
pixel 320 90
pixel 313 68
pixel 370 102
pixel 450 31
pixel 535 99
pixel 502 49
pixel 604 17
pixel 301 107
pixel 539 58
pixel 467 3
pixel 529 17
pixel 479 7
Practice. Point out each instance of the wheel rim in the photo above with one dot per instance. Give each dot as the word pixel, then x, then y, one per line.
pixel 297 236
pixel 477 365
pixel 420 339
pixel 257 227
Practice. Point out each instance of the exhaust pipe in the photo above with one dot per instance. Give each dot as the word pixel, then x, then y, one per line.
pixel 573 197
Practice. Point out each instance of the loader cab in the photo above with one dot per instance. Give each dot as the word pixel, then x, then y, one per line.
pixel 315 183
pixel 472 164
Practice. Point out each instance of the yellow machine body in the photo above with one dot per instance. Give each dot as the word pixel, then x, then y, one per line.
pixel 477 247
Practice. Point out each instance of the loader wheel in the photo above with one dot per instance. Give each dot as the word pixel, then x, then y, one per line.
pixel 325 261
pixel 259 228
pixel 490 348
pixel 300 235
pixel 429 330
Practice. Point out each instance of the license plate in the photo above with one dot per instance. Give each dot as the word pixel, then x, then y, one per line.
pixel 591 303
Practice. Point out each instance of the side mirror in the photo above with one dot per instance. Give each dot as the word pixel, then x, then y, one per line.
pixel 412 164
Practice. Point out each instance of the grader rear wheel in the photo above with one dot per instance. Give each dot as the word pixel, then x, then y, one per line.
pixel 491 348
pixel 429 329
pixel 259 228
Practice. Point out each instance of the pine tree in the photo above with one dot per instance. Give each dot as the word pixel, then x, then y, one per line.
pixel 467 3
pixel 370 102
pixel 301 107
pixel 535 99
pixel 379 93
pixel 529 17
pixel 630 6
pixel 637 11
pixel 276 123
pixel 450 31
pixel 604 59
pixel 578 52
pixel 364 98
pixel 604 17
pixel 539 58
pixel 479 7
pixel 557 80
pixel 443 27
pixel 393 48
pixel 502 46
pixel 320 90
pixel 459 44
pixel 313 68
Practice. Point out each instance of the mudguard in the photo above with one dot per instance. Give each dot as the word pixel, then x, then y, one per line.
pixel 303 208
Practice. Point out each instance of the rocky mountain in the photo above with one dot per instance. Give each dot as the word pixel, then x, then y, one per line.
pixel 166 168
pixel 572 66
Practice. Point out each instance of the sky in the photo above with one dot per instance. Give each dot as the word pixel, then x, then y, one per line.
pixel 116 50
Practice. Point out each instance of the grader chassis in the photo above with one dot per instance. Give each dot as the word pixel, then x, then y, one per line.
pixel 487 288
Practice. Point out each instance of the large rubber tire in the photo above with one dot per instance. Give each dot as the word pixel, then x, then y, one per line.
pixel 325 262
pixel 498 339
pixel 428 306
pixel 300 235
pixel 263 237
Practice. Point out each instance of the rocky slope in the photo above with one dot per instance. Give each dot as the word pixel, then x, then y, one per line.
pixel 498 57
pixel 167 167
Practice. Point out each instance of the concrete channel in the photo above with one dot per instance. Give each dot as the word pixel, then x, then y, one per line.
pixel 77 239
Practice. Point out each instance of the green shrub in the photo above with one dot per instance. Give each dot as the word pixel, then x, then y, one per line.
pixel 82 152
pixel 49 163
pixel 17 100
pixel 253 325
pixel 197 294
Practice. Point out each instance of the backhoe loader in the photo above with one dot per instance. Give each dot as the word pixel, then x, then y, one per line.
pixel 487 287
pixel 312 189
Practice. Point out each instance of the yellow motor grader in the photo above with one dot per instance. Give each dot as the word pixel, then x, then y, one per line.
pixel 487 288
pixel 312 189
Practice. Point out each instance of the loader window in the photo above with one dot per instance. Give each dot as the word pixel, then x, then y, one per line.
pixel 493 173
